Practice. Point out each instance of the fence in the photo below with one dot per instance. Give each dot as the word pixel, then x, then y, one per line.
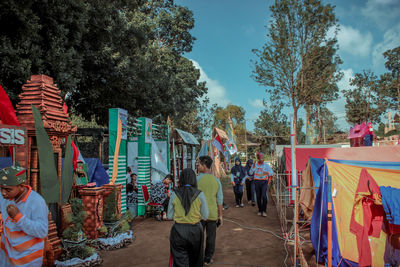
pixel 285 204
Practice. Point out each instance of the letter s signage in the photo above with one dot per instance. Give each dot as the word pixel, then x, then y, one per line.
pixel 12 135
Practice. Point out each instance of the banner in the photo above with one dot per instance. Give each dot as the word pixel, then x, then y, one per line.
pixel 158 162
pixel 217 143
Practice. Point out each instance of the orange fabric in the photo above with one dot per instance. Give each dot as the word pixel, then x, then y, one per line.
pixel 367 153
pixel 14 234
pixel 27 195
pixel 18 217
pixel 345 180
pixel 24 260
pixel 25 245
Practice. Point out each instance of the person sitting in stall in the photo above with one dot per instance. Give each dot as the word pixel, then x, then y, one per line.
pixel 187 207
pixel 161 192
pixel 25 216
pixel 132 199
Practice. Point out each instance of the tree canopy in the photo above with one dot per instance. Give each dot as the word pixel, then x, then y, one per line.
pixel 298 65
pixel 363 102
pixel 103 54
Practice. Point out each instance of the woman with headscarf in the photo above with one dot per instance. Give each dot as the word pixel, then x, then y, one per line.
pixel 250 189
pixel 238 174
pixel 187 207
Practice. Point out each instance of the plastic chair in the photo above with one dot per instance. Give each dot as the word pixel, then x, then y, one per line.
pixel 152 208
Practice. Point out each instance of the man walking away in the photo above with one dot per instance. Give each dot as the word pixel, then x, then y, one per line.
pixel 212 189
pixel 261 171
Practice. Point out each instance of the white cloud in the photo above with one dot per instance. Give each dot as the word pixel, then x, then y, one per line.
pixel 354 42
pixel 382 12
pixel 391 39
pixel 257 103
pixel 216 92
pixel 337 107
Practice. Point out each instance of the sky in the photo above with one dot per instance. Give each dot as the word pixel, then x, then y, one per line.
pixel 226 31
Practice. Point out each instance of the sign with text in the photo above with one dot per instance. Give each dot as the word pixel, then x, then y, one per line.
pixel 12 135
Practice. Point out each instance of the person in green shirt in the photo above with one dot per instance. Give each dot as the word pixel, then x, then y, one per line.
pixel 212 189
pixel 187 207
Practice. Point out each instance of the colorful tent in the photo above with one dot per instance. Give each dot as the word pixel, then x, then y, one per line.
pixel 357 220
pixel 385 153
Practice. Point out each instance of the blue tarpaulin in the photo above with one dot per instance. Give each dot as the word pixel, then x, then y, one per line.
pixel 96 174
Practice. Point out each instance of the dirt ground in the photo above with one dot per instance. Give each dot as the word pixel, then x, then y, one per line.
pixel 235 245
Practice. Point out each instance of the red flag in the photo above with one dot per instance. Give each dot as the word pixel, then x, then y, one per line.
pixel 65 108
pixel 74 147
pixel 367 217
pixel 7 112
pixel 217 143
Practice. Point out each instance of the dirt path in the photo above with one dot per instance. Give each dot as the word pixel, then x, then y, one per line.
pixel 236 246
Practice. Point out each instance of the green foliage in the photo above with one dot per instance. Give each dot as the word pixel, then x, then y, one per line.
pixel 363 102
pixel 298 64
pixel 124 226
pixel 389 89
pixel 198 121
pixel 103 231
pixel 272 122
pixel 78 252
pixel 103 54
pixel 128 216
pixel 110 213
pixel 75 219
pixel 236 114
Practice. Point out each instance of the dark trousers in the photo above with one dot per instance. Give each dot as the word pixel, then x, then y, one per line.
pixel 165 204
pixel 261 187
pixel 250 190
pixel 238 190
pixel 210 228
pixel 186 243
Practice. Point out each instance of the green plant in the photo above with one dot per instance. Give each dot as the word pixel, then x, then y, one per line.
pixel 75 220
pixel 110 213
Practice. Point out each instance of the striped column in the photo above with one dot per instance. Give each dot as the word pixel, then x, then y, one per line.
pixel 144 165
pixel 121 178
pixel 116 114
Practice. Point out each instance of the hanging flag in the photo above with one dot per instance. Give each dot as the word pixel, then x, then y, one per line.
pixel 76 153
pixel 217 143
pixel 7 112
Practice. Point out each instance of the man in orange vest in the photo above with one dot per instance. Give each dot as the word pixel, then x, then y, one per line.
pixel 25 216
pixel 262 172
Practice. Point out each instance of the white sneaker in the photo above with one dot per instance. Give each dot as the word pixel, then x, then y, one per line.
pixel 237 206
pixel 259 213
pixel 241 205
pixel 264 214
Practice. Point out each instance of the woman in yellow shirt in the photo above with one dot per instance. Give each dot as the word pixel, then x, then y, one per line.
pixel 187 206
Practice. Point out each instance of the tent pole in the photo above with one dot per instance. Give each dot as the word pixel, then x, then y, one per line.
pixel 174 158
pixel 294 183
pixel 329 213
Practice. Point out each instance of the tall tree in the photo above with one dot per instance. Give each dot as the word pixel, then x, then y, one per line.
pixel 298 64
pixel 390 81
pixel 362 101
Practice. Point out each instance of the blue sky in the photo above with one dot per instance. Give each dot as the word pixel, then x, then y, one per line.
pixel 227 31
